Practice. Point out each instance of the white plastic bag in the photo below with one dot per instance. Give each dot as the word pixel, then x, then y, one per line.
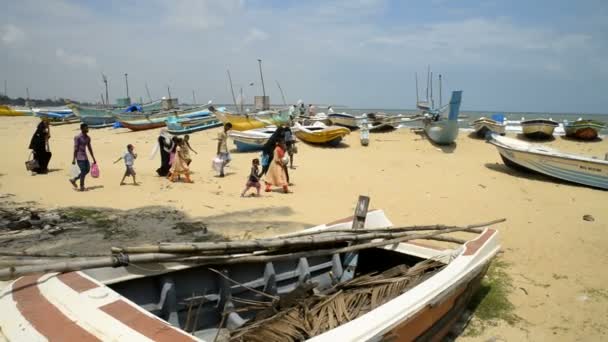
pixel 74 171
pixel 216 164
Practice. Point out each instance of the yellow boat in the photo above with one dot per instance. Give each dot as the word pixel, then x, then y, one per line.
pixel 239 122
pixel 320 133
pixel 8 111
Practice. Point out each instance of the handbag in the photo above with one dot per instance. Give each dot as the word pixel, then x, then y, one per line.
pixel 31 164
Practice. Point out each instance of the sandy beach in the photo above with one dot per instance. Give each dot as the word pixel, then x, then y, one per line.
pixel 555 259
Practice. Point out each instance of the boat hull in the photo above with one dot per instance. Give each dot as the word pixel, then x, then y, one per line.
pixel 484 126
pixel 538 129
pixel 331 135
pixel 583 129
pixel 347 121
pixel 8 111
pixel 240 122
pixel 195 125
pixel 443 132
pixel 585 171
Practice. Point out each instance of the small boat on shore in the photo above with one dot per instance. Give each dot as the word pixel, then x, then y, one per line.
pixel 411 291
pixel 583 129
pixel 320 133
pixel 10 111
pixel 253 139
pixel 538 128
pixel 345 120
pixel 484 126
pixel 553 163
pixel 444 131
pixel 380 122
pixel 240 122
pixel 149 121
pixel 177 126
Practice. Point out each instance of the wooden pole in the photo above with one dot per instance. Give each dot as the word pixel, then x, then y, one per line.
pixel 352 259
pixel 282 94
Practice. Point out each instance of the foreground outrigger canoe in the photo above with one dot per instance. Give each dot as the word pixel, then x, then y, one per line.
pixel 155 303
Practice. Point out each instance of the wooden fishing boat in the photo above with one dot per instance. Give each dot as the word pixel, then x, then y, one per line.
pixel 583 129
pixel 273 117
pixel 240 122
pixel 380 122
pixel 345 120
pixel 253 139
pixel 10 111
pixel 570 167
pixel 538 128
pixel 182 301
pixel 444 131
pixel 484 126
pixel 149 121
pixel 320 133
pixel 187 126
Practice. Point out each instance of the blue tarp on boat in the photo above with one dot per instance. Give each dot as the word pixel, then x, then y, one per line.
pixel 133 108
pixel 498 117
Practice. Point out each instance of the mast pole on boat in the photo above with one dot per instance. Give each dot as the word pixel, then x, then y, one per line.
pixel 169 92
pixel 148 92
pixel 105 81
pixel 236 107
pixel 416 76
pixel 439 90
pixel 432 104
pixel 428 73
pixel 127 83
pixel 282 94
pixel 103 102
pixel 242 100
pixel 5 89
pixel 262 77
pixel 193 97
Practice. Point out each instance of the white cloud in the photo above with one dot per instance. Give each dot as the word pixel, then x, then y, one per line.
pixel 255 35
pixel 199 15
pixel 11 34
pixel 76 60
pixel 352 7
pixel 485 41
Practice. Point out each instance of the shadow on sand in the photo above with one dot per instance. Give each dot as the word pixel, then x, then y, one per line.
pixel 522 172
pixel 523 137
pixel 93 230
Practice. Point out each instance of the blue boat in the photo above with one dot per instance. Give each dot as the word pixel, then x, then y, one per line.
pixel 177 126
pixel 253 139
pixel 442 131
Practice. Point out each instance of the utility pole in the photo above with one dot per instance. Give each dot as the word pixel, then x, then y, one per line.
pixel 127 83
pixel 262 77
pixel 105 80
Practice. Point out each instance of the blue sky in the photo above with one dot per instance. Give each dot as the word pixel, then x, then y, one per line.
pixel 506 55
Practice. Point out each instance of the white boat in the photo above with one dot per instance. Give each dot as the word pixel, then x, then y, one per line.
pixel 186 302
pixel 570 167
pixel 484 126
pixel 345 120
pixel 538 128
pixel 252 139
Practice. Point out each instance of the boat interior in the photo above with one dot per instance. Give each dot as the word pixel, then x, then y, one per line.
pixel 198 299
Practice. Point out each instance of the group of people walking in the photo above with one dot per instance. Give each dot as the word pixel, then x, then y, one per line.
pixel 271 168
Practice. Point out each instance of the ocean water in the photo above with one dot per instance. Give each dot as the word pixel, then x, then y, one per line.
pixel 466 117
